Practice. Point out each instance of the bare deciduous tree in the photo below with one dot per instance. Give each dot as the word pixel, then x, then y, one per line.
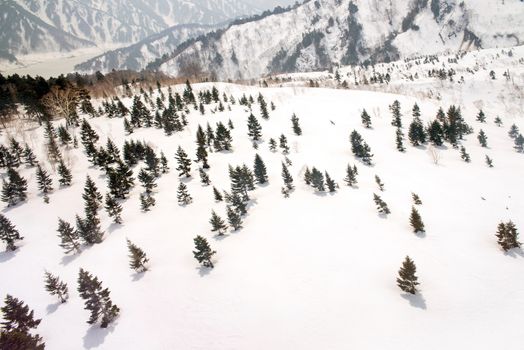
pixel 62 102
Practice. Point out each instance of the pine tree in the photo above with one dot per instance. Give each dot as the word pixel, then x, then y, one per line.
pixel 513 131
pixel 330 183
pixel 163 163
pixel 184 163
pixel 92 198
pixel 317 180
pixel 296 125
pixel 507 235
pixel 272 145
pixel 436 133
pixel 397 116
pixel 237 202
pixel 65 177
pixel 382 207
pixel 69 237
pixel 519 143
pixel 287 178
pixel 128 127
pixel 14 190
pixel 263 107
pixel 307 176
pixel 222 140
pixel 45 184
pixel 366 119
pixel 217 224
pixel 498 121
pixel 283 144
pixel 481 117
pixel 96 299
pixel 416 221
pixel 360 148
pixel 138 259
pixel 351 176
pixel 29 156
pixel 18 321
pixel 379 183
pixel 254 128
pixel 483 139
pixel 113 209
pixel 152 161
pixel 399 140
pixel 416 199
pixel 203 252
pixel 8 233
pixel 217 194
pixel 260 170
pixel 146 201
pixel 55 286
pixel 464 155
pixel 183 195
pixel 234 219
pixel 204 177
pixel 407 280
pixel 89 229
pixel 489 161
pixel 147 179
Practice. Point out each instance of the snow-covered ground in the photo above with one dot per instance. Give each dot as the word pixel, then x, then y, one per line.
pixel 313 271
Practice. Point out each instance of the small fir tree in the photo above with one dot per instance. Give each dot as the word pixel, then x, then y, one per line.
pixel 137 258
pixel 379 183
pixel 464 155
pixel 416 199
pixel 183 195
pixel 366 119
pixel 113 209
pixel 184 163
pixel 382 207
pixel 204 177
pixel 233 218
pixel 489 162
pixel 507 236
pixel 69 237
pixel 296 125
pixel 65 176
pixel 45 183
pixel 217 224
pixel 8 233
pixel 407 280
pixel 483 139
pixel 351 176
pixel 287 178
pixel 146 201
pixel 17 323
pixel 55 286
pixel 254 128
pixel 218 195
pixel 260 170
pixel 272 145
pixel 416 221
pixel 203 253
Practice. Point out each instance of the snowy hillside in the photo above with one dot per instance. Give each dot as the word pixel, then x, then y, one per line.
pixel 316 270
pixel 325 33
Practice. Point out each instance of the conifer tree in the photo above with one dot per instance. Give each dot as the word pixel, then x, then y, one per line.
pixel 287 178
pixel 29 156
pixel 65 177
pixel 217 224
pixel 307 176
pixel 317 180
pixel 436 133
pixel 397 116
pixel 128 127
pixel 263 107
pixel 88 229
pixel 152 161
pixel 183 195
pixel 201 149
pixel 416 199
pixel 163 163
pixel 296 125
pixel 120 180
pixel 464 155
pixel 407 280
pixel 184 163
pixel 260 170
pixel 236 202
pixel 14 190
pixel 483 139
pixel 217 194
pixel 272 145
pixel 498 121
pixel 234 219
pixel 138 259
pixel 283 144
pixel 481 117
pixel 69 237
pixel 366 119
pixel 16 150
pixel 330 183
pixel 360 148
pixel 92 197
pixel 147 179
pixel 417 134
pixel 45 184
pixel 203 252
pixel 55 286
pixel 351 175
pixel 113 209
pixel 382 207
pixel 222 140
pixel 17 323
pixel 379 183
pixel 8 233
pixel 399 140
pixel 204 177
pixel 489 162
pixel 146 201
pixel 519 143
pixel 416 221
pixel 96 299
pixel 254 128
pixel 507 235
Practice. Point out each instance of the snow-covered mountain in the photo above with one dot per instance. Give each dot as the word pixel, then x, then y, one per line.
pixel 137 56
pixel 322 33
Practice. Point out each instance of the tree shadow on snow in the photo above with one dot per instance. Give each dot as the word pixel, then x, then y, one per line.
pixel 7 255
pixel 420 234
pixel 52 307
pixel 114 227
pixel 220 237
pixel 8 209
pixel 203 271
pixel 415 300
pixel 96 336
pixel 67 259
pixel 137 276
pixel 515 252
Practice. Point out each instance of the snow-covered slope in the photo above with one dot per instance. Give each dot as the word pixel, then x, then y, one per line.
pixel 323 33
pixel 313 271
pixel 137 56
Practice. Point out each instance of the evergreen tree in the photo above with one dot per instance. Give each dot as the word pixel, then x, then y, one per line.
pixel 379 183
pixel 260 170
pixel 498 121
pixel 183 195
pixel 14 190
pixel 360 148
pixel 222 139
pixel 407 280
pixel 69 237
pixel 146 201
pixel 464 155
pixel 217 194
pixel 416 199
pixel 519 143
pixel 217 224
pixel 397 116
pixel 18 321
pixel 65 176
pixel 29 156
pixel 263 107
pixel 296 126
pixel 242 181
pixel 330 183
pixel 436 133
pixel 507 235
pixel 163 163
pixel 234 219
pixel 55 286
pixel 254 128
pixel 481 117
pixel 138 259
pixel 8 233
pixel 92 198
pixel 317 180
pixel 382 207
pixel 236 202
pixel 16 150
pixel 366 119
pixel 128 127
pixel 203 252
pixel 45 184
pixel 489 162
pixel 120 180
pixel 113 209
pixel 152 161
pixel 351 176
pixel 272 145
pixel 89 229
pixel 416 221
pixel 184 163
pixel 307 176
pixel 64 136
pixel 288 179
pixel 483 139
pixel 283 144
pixel 96 299
pixel 399 140
pixel 204 177
pixel 147 179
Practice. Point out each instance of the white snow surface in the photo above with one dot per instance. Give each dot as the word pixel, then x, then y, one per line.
pixel 314 271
